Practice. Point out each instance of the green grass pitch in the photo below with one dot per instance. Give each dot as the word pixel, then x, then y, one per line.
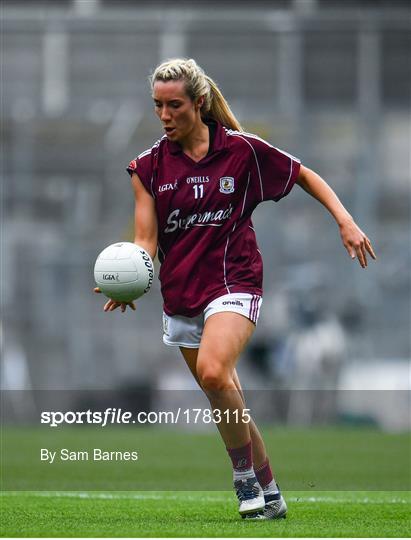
pixel 201 514
pixel 337 483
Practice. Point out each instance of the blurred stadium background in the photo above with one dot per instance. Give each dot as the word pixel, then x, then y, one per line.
pixel 328 81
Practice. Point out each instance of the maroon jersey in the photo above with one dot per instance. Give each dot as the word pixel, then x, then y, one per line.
pixel 206 241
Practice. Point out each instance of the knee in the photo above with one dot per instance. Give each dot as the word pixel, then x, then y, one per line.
pixel 214 379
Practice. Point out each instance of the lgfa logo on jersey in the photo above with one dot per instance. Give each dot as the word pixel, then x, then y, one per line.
pixel 168 186
pixel 227 184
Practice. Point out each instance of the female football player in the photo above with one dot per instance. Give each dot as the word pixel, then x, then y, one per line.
pixel 195 191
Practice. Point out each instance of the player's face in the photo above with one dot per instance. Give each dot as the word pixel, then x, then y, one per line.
pixel 175 109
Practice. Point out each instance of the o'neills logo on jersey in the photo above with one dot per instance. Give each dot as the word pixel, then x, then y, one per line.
pixel 203 219
pixel 197 179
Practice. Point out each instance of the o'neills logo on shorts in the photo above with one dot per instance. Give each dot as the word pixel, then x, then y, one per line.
pixel 202 219
pixel 232 303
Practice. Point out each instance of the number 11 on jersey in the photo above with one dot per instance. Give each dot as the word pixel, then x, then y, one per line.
pixel 198 191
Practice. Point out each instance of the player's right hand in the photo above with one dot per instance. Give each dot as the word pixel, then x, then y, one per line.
pixel 111 305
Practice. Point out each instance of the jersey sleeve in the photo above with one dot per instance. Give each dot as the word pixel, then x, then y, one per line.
pixel 275 171
pixel 142 166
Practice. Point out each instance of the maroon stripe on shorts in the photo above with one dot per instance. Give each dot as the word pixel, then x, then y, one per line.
pixel 254 303
pixel 251 309
pixel 257 308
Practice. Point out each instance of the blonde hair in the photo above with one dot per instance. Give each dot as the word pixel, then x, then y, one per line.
pixel 197 84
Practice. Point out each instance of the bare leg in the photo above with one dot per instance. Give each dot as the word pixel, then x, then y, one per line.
pixel 259 450
pixel 213 366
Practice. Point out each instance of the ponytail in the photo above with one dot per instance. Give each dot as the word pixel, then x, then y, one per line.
pixel 219 108
pixel 198 84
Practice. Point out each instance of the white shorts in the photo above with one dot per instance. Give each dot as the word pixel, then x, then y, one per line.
pixel 182 331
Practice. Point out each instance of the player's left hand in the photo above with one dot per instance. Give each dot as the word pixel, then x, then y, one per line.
pixel 356 242
pixel 111 305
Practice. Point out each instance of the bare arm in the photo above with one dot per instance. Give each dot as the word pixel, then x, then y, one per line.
pixel 145 218
pixel 145 232
pixel 355 241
